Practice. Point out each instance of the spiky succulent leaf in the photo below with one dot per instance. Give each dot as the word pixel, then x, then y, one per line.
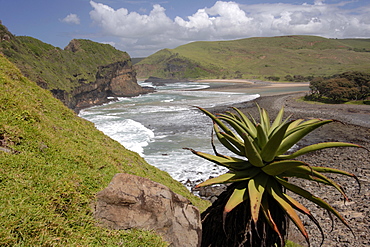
pixel 239 195
pixel 276 193
pixel 236 125
pixel 248 123
pixel 252 153
pixel 315 176
pixel 262 137
pixel 218 121
pixel 317 200
pixel 279 167
pixel 256 188
pixel 268 152
pixel 226 161
pixel 232 177
pixel 278 120
pixel 316 147
pixel 297 135
pixel 235 145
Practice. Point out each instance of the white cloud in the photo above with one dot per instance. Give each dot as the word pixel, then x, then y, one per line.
pixel 71 19
pixel 142 34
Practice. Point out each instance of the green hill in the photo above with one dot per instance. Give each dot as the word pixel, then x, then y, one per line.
pixel 81 75
pixel 56 68
pixel 51 165
pixel 257 58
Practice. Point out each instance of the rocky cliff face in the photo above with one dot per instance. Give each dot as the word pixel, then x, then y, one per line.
pixel 113 80
pixel 84 74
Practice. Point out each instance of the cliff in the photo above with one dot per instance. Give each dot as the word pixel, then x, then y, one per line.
pixel 85 73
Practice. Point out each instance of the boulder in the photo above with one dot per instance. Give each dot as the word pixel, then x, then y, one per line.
pixel 134 202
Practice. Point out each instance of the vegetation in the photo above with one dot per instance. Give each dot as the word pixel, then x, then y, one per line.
pixel 255 208
pixel 340 88
pixel 296 57
pixel 54 68
pixel 52 163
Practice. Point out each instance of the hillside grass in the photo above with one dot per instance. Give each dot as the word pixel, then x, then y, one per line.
pixel 52 163
pixel 256 58
pixel 54 68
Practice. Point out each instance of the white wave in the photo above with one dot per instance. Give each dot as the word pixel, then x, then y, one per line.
pixel 167 100
pixel 131 134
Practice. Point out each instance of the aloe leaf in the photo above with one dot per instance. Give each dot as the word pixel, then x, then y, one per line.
pixel 302 124
pixel 269 151
pixel 266 211
pixel 261 136
pixel 337 171
pixel 312 173
pixel 230 142
pixel 239 195
pixel 278 120
pixel 266 120
pixel 256 188
pixel 238 126
pixel 251 152
pixel 217 180
pixel 294 124
pixel 307 212
pixel 252 119
pixel 233 115
pixel 276 193
pixel 317 200
pixel 237 142
pixel 248 123
pixel 278 167
pixel 316 147
pixel 217 121
pixel 226 161
pixel 293 138
pixel 231 177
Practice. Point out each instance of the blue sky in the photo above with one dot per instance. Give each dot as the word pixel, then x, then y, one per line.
pixel 143 27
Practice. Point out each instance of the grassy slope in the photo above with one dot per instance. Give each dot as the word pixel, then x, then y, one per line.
pixel 58 162
pixel 60 69
pixel 276 56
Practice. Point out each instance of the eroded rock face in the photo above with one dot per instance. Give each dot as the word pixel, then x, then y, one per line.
pixel 113 80
pixel 134 202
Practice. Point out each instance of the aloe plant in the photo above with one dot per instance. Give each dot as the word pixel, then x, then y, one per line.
pixel 259 173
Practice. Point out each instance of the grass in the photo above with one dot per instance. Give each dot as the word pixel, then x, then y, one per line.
pixel 291 244
pixel 325 100
pixel 54 68
pixel 52 163
pixel 256 58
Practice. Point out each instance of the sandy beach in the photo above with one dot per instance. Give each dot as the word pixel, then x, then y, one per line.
pixel 353 126
pixel 255 86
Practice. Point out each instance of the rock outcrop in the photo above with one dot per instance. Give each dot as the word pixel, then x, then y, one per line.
pixel 113 80
pixel 134 202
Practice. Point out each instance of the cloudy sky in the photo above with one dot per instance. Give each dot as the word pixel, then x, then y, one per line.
pixel 143 27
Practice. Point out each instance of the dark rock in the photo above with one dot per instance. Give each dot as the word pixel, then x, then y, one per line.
pixel 113 80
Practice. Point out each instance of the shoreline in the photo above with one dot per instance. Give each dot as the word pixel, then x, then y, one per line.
pixel 263 88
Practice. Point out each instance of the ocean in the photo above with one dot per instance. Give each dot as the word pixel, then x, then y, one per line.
pixel 160 125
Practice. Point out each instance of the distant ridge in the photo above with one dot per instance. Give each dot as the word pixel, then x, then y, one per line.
pixel 257 58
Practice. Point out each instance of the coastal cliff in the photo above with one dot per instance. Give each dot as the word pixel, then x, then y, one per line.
pixel 84 74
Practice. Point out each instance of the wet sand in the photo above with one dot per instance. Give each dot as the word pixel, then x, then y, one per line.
pixel 263 88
